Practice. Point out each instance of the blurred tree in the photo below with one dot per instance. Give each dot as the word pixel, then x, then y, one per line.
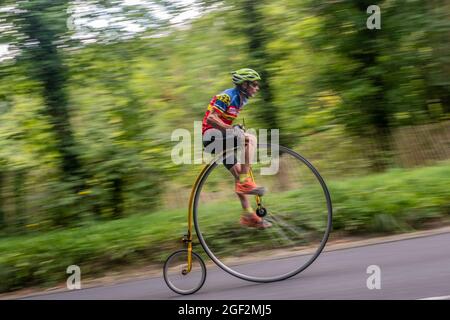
pixel 2 212
pixel 122 82
pixel 438 33
pixel 36 30
pixel 40 34
pixel 304 106
pixel 357 76
pixel 248 21
pixel 19 200
pixel 44 22
pixel 252 26
pixel 381 75
pixel 126 143
pixel 112 21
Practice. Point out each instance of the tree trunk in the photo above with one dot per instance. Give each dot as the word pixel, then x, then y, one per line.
pixel 2 213
pixel 52 73
pixel 117 197
pixel 48 68
pixel 375 105
pixel 19 203
pixel 260 59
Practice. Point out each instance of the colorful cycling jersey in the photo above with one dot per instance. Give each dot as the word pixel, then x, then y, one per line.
pixel 227 104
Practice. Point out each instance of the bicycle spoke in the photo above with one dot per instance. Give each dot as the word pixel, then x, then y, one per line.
pixel 280 232
pixel 284 224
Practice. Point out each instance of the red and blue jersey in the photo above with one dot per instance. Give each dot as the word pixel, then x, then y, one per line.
pixel 227 104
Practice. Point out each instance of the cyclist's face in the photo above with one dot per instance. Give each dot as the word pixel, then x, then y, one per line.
pixel 252 88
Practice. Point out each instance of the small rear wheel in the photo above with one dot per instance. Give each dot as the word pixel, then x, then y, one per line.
pixel 177 276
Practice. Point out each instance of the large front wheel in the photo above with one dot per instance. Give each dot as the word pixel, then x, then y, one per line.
pixel 297 203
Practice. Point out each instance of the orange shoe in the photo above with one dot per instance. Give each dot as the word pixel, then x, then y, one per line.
pixel 249 187
pixel 251 220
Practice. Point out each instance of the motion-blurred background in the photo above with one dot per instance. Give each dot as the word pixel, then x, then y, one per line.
pixel 91 91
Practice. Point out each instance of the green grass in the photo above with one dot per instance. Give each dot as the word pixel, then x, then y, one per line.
pixel 398 200
pixel 395 201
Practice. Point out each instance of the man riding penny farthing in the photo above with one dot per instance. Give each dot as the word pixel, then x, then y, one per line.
pixel 261 232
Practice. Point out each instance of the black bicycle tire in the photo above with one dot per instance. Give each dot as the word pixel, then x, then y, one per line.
pixel 227 269
pixel 173 288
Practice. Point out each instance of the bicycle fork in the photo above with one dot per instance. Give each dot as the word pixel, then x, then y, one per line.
pixel 188 237
pixel 260 210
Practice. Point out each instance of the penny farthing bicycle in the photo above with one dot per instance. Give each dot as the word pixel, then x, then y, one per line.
pixel 297 203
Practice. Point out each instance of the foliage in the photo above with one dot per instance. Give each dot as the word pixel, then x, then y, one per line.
pixel 396 201
pixel 91 91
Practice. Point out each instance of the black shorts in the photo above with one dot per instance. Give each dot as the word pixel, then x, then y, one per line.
pixel 228 142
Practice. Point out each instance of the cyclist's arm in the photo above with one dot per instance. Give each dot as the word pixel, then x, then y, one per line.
pixel 214 120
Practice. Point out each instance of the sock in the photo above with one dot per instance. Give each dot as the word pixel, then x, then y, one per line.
pixel 242 177
pixel 248 210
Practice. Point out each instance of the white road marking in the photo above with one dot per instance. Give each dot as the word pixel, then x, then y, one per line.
pixel 436 298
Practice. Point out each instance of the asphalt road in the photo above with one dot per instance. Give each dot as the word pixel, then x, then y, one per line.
pixel 410 269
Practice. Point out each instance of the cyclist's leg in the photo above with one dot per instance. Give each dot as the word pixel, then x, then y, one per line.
pixel 235 171
pixel 245 203
pixel 246 185
pixel 250 147
pixel 235 168
pixel 248 218
pixel 240 171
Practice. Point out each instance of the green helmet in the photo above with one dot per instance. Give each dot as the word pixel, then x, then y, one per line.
pixel 246 74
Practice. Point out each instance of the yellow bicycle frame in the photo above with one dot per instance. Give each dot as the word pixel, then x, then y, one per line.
pixel 188 238
pixel 191 218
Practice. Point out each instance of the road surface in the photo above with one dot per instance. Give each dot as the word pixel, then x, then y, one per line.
pixel 410 269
